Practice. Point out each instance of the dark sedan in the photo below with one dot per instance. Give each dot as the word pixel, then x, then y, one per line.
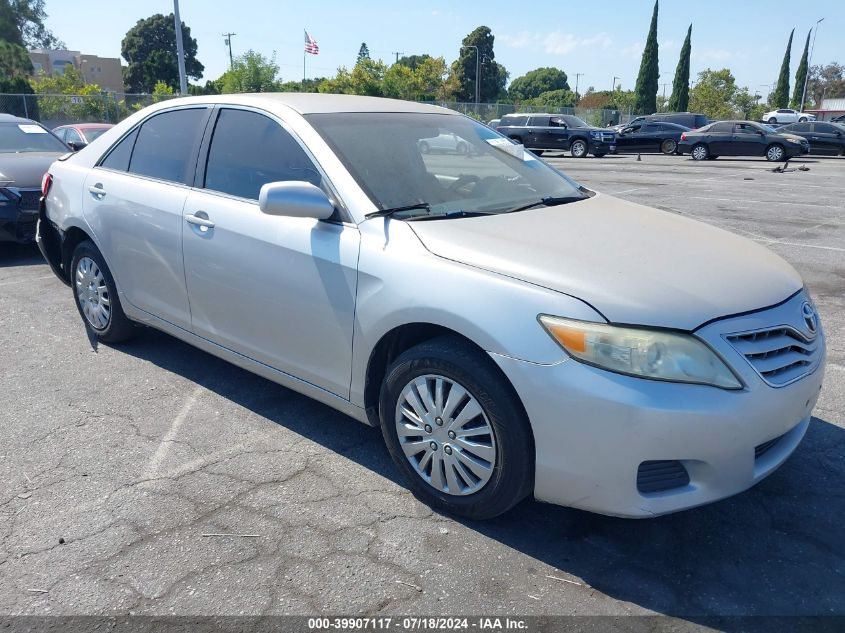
pixel 650 136
pixel 26 152
pixel 825 138
pixel 741 138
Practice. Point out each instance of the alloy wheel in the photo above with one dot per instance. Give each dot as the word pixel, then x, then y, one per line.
pixel 669 146
pixel 445 435
pixel 579 149
pixel 699 152
pixel 774 153
pixel 93 293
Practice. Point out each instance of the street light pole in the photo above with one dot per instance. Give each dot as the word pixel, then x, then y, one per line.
pixel 809 62
pixel 577 96
pixel 180 51
pixel 613 87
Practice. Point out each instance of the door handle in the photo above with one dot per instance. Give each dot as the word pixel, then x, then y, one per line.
pixel 97 191
pixel 196 220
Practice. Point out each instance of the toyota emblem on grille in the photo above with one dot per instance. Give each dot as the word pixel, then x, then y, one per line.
pixel 810 317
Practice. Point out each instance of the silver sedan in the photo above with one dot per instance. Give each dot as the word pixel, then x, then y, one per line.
pixel 512 332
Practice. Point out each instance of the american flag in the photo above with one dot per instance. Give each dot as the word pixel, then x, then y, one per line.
pixel 311 45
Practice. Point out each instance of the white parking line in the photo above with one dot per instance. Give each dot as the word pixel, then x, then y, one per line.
pixel 164 447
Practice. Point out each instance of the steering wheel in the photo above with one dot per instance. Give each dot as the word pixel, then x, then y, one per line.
pixel 463 182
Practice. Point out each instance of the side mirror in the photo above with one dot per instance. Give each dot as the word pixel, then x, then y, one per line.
pixel 295 199
pixel 76 145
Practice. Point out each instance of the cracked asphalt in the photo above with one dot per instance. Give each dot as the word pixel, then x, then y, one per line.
pixel 116 466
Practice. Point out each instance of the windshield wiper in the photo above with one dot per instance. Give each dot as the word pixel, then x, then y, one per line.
pixel 385 213
pixel 548 201
pixel 459 213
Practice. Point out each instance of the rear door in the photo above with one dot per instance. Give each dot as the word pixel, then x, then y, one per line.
pixel 133 200
pixel 650 137
pixel 719 139
pixel 279 290
pixel 538 133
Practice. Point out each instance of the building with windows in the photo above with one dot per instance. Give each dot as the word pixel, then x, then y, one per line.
pixel 106 72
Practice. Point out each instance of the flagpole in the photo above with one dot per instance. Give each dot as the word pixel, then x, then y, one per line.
pixel 304 52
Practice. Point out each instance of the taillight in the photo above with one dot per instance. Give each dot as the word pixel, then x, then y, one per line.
pixel 683 136
pixel 46 181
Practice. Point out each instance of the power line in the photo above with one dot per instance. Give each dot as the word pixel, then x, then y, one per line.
pixel 398 53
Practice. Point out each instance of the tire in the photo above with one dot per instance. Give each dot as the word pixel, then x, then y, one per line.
pixel 95 295
pixel 772 120
pixel 424 148
pixel 578 148
pixel 600 154
pixel 700 152
pixel 462 148
pixel 669 146
pixel 504 461
pixel 775 153
pixel 712 157
pixel 803 119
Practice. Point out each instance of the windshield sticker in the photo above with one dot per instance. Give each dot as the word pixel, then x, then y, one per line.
pixel 32 129
pixel 508 147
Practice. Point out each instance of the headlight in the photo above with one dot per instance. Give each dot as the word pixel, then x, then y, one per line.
pixel 793 140
pixel 655 354
pixel 595 134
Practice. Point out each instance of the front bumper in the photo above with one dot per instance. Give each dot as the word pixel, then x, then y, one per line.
pixel 593 429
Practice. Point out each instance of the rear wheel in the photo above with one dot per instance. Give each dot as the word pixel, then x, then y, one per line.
pixel 803 119
pixel 95 294
pixel 669 146
pixel 772 119
pixel 700 152
pixel 775 153
pixel 578 149
pixel 456 430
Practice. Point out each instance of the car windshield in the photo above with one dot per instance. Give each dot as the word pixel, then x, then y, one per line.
pixel 449 163
pixel 28 137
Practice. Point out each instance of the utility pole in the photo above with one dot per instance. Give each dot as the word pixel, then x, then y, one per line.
pixel 477 67
pixel 398 53
pixel 809 63
pixel 577 96
pixel 613 87
pixel 180 50
pixel 228 42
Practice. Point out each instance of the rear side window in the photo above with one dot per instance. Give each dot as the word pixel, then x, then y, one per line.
pixel 539 121
pixel 249 150
pixel 166 143
pixel 118 157
pixel 513 120
pixel 722 127
pixel 799 128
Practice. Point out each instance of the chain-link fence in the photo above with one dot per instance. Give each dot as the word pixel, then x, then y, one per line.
pixel 54 109
pixel 58 109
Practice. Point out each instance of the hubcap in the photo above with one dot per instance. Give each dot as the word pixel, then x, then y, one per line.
pixel 579 148
pixel 669 147
pixel 699 153
pixel 775 153
pixel 93 294
pixel 457 453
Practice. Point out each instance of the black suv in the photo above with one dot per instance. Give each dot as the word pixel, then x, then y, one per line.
pixel 825 138
pixel 557 132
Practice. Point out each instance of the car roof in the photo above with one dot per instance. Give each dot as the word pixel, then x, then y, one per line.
pixel 311 103
pixel 10 118
pixel 86 126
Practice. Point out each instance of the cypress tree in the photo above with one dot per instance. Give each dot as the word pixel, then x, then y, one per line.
pixel 645 101
pixel 780 97
pixel 801 76
pixel 679 101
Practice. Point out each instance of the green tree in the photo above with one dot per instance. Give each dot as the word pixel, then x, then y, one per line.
pixel 679 101
pixel 535 82
pixel 412 61
pixel 27 18
pixel 341 83
pixel 560 98
pixel 826 81
pixel 801 77
pixel 18 106
pixel 368 78
pixel 309 85
pixel 429 77
pixel 363 53
pixel 150 49
pixel 780 97
pixel 161 92
pixel 714 93
pixel 14 60
pixel 251 72
pixel 399 82
pixel 90 102
pixel 493 76
pixel 649 75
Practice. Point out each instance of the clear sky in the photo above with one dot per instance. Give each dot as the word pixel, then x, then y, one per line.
pixel 598 39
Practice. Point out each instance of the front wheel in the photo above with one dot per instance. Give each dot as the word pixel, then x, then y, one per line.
pixel 803 119
pixel 772 120
pixel 775 153
pixel 578 149
pixel 669 146
pixel 700 152
pixel 456 430
pixel 95 294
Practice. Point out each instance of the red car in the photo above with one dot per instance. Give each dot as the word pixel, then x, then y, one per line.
pixel 79 135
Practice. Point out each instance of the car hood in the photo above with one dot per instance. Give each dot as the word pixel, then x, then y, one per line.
pixel 26 169
pixel 633 264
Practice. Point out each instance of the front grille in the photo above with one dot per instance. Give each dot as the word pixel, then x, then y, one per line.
pixel 765 447
pixel 30 199
pixel 608 137
pixel 657 476
pixel 780 355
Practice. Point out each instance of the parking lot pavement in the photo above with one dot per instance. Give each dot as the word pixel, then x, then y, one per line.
pixel 116 465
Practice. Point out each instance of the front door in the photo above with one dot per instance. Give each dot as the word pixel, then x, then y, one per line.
pixel 279 290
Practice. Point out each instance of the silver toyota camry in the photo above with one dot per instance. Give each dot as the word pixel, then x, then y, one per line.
pixel 512 332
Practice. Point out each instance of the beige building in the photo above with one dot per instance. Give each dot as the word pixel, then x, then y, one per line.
pixel 106 72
